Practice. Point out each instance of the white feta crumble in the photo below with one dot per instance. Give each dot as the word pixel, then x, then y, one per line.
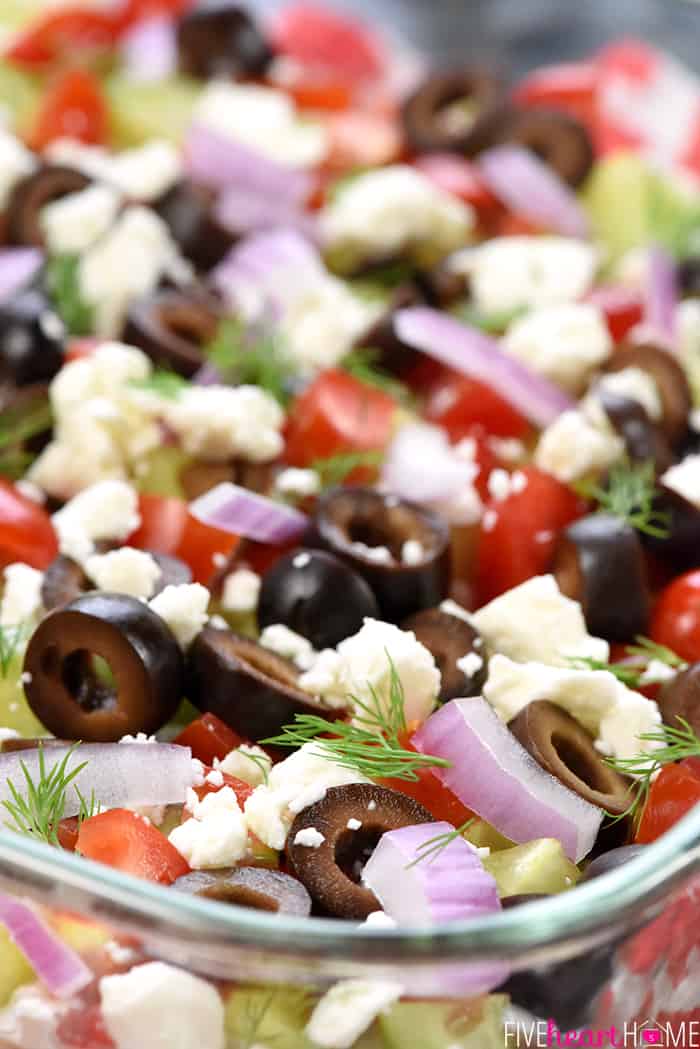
pixel 380 555
pixel 509 449
pixel 8 733
pixel 394 209
pixel 471 664
pixel 143 173
pixel 184 609
pixel 73 223
pixel 510 273
pixel 348 1010
pixel 287 643
pixel 353 824
pixel 249 763
pixel 451 608
pixel 263 119
pixel 216 835
pixel 613 714
pixel 361 668
pixel 106 510
pixel 172 1006
pixel 380 920
pixel 223 422
pixel 499 484
pixel 637 385
pixel 302 560
pixel 124 571
pixel 293 784
pixel 684 478
pixel 21 596
pixel 31 1019
pixel 298 483
pixel 412 552
pixel 536 622
pixel 564 343
pixel 309 837
pixel 140 737
pixel 573 446
pixel 241 591
pixel 215 778
pixel 16 162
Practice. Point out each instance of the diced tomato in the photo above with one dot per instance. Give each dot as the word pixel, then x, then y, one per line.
pixel 168 528
pixel 674 792
pixel 570 87
pixel 66 31
pixel 317 37
pixel 318 92
pixel 676 618
pixel 73 107
pixel 68 833
pixel 26 532
pixel 360 139
pixel 460 177
pixel 622 308
pixel 429 791
pixel 83 347
pixel 337 413
pixel 240 788
pixel 208 738
pixel 518 534
pixel 459 404
pixel 122 839
pixel 509 225
pixel 83 1027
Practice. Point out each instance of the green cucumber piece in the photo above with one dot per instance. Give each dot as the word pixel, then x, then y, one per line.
pixel 19 96
pixel 269 1016
pixel 15 970
pixel 473 1024
pixel 15 712
pixel 539 866
pixel 141 111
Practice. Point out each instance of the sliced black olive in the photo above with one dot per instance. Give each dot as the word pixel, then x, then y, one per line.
pixel 670 380
pixel 32 194
pixel 172 327
pixel 256 887
pixel 394 356
pixel 689 276
pixel 556 138
pixel 459 111
pixel 64 579
pixel 251 689
pixel 32 340
pixel 599 561
pixel 679 546
pixel 317 596
pixel 332 871
pixel 644 442
pixel 442 286
pixel 564 749
pixel 173 571
pixel 680 698
pixel 69 693
pixel 353 523
pixel 13 745
pixel 611 860
pixel 449 638
pixel 187 210
pixel 220 39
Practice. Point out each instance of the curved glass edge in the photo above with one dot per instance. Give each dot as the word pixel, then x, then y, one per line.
pixel 593 910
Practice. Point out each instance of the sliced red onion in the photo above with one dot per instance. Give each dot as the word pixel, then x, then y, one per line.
pixel 268 271
pixel 532 189
pixel 494 776
pixel 219 162
pixel 245 209
pixel 17 268
pixel 122 775
pixel 422 465
pixel 661 296
pixel 239 511
pixel 149 49
pixel 480 357
pixel 60 969
pixel 207 375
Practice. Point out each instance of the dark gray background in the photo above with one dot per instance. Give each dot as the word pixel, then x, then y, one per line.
pixel 520 34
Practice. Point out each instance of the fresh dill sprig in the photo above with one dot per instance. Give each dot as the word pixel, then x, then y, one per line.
pixel 629 494
pixel 628 675
pixel 20 423
pixel 12 637
pixel 650 650
pixel 38 809
pixel 644 651
pixel 336 468
pixel 63 282
pixel 363 365
pixel 165 383
pixel 493 323
pixel 370 744
pixel 252 357
pixel 431 848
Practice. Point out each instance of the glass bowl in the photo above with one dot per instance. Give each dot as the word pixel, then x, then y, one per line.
pixel 621 951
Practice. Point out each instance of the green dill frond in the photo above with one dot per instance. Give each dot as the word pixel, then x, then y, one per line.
pixel 63 282
pixel 363 365
pixel 630 494
pixel 335 469
pixel 163 382
pixel 429 850
pixel 38 807
pixel 12 637
pixel 258 359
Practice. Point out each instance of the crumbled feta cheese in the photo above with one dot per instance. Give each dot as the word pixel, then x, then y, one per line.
pixel 509 449
pixel 224 422
pixel 143 173
pixel 391 210
pixel 564 343
pixel 184 609
pixel 73 223
pixel 353 824
pixel 309 837
pixel 471 664
pixel 499 485
pixel 298 483
pixel 264 120
pixel 140 737
pixel 362 669
pixel 286 643
pixel 348 1010
pixel 249 763
pixel 241 591
pixel 293 784
pixel 106 510
pixel 124 571
pixel 214 778
pixel 322 322
pixel 302 560
pixel 536 622
pixel 31 1019
pixel 451 608
pixel 197 773
pixel 684 478
pixel 173 1007
pixel 510 273
pixel 636 385
pixel 21 596
pixel 412 552
pixel 380 555
pixel 380 920
pixel 606 708
pixel 216 835
pixel 16 162
pixel 573 446
pixel 8 733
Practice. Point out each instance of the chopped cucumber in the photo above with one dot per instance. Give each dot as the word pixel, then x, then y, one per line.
pixel 473 1024
pixel 161 473
pixel 15 970
pixel 15 712
pixel 82 934
pixel 141 111
pixel 540 866
pixel 483 835
pixel 19 96
pixel 269 1016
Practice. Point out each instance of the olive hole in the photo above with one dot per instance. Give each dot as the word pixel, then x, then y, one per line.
pixel 266 663
pixel 241 895
pixel 354 848
pixel 576 761
pixel 190 324
pixel 371 534
pixel 89 679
